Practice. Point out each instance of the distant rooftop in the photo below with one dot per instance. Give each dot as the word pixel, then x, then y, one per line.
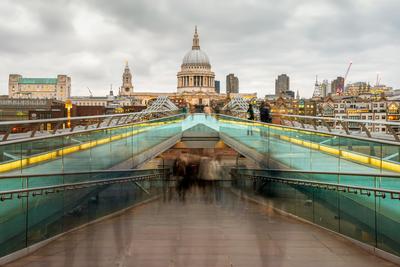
pixel 37 80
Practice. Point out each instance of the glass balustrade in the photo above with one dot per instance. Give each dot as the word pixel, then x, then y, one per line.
pixel 358 206
pixel 86 150
pixel 290 148
pixel 60 202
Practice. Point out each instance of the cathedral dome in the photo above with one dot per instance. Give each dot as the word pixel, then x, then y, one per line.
pixel 196 57
pixel 196 75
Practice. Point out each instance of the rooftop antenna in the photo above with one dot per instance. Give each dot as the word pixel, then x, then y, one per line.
pixel 111 90
pixel 317 88
pixel 378 79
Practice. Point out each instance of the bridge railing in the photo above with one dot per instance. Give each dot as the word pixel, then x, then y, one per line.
pixel 85 149
pixel 368 128
pixel 14 130
pixel 364 207
pixel 310 149
pixel 36 208
pixel 386 130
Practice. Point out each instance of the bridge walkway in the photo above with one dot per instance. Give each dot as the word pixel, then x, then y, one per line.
pixel 206 225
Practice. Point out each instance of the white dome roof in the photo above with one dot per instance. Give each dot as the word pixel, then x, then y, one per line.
pixel 196 57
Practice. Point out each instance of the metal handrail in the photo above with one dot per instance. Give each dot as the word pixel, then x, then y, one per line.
pixel 342 122
pixel 35 191
pixel 2 123
pixel 324 172
pixel 336 119
pixel 35 124
pixel 331 119
pixel 19 176
pixel 377 192
pixel 20 140
pixel 371 139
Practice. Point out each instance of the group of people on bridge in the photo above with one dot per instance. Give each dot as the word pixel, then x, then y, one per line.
pixel 264 109
pixel 265 112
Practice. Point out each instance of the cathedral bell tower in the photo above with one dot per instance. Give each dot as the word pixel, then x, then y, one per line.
pixel 127 87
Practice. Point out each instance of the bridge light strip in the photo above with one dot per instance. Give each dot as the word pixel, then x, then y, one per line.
pixel 352 156
pixel 16 164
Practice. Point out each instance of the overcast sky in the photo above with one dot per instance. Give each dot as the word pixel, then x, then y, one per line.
pixel 256 39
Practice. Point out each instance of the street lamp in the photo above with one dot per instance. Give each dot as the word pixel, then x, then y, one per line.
pixel 68 106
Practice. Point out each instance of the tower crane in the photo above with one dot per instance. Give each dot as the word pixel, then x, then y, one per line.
pixel 341 87
pixel 348 70
pixel 90 92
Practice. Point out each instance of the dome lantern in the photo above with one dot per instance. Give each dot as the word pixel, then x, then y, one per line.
pixel 196 40
pixel 196 57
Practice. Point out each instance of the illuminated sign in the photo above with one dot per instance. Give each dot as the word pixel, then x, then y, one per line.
pixel 358 111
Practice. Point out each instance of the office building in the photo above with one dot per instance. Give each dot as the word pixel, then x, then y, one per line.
pixel 20 109
pixel 325 88
pixel 232 84
pixel 337 85
pixel 217 87
pixel 282 84
pixel 39 88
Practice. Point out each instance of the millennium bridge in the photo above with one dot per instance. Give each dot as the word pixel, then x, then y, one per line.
pixel 164 188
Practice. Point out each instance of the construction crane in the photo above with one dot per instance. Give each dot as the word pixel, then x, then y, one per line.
pixel 90 92
pixel 348 70
pixel 340 88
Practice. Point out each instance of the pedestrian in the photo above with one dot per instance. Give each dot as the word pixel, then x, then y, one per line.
pixel 268 111
pixel 216 109
pixel 250 112
pixel 265 114
pixel 207 110
pixel 262 112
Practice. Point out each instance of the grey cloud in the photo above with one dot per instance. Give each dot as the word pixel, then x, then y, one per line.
pixel 256 39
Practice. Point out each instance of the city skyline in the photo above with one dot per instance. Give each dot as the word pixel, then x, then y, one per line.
pixel 90 41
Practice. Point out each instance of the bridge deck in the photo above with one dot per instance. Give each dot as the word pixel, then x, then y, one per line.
pixel 202 226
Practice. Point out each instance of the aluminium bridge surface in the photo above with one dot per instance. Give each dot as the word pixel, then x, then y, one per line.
pixel 207 225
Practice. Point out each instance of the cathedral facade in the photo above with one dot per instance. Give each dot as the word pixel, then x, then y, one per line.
pixel 196 75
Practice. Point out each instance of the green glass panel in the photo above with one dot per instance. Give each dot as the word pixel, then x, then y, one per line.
pixel 357 217
pixel 388 224
pixel 303 197
pixel 326 209
pixel 13 219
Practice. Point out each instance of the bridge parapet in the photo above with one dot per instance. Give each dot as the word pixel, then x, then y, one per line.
pixel 368 129
pixel 362 207
pixel 15 130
